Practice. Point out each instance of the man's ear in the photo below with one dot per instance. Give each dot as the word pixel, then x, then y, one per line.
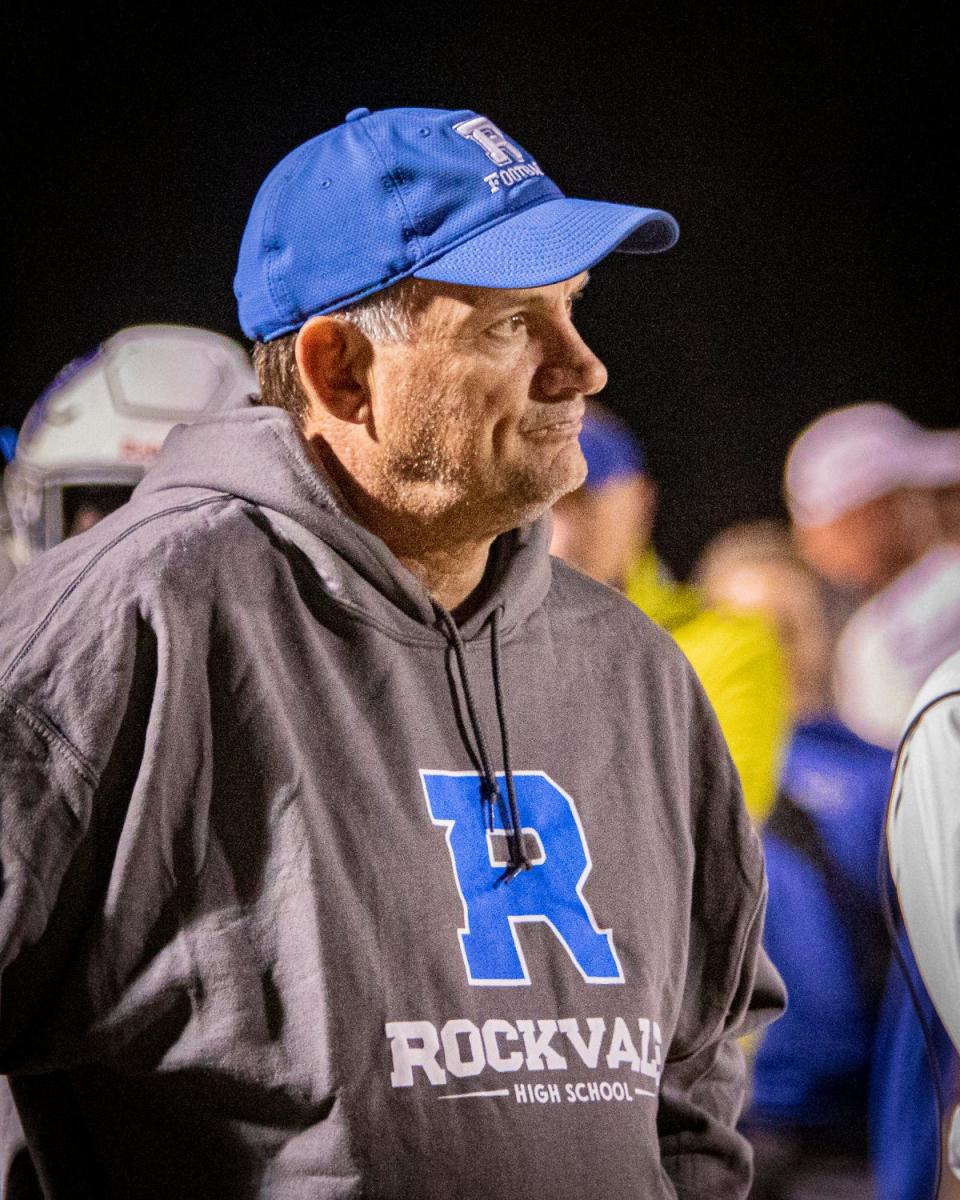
pixel 333 358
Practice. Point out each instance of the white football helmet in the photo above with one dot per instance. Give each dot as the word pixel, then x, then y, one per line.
pixel 102 421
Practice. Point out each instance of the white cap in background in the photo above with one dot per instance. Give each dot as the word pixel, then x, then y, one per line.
pixel 853 455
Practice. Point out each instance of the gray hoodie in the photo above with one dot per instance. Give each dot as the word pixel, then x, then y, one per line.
pixel 259 801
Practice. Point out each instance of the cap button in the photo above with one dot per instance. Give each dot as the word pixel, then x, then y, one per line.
pixel 356 113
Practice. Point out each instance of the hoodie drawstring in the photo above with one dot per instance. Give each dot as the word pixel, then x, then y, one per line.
pixel 489 787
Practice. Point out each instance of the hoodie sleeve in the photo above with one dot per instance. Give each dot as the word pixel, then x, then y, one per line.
pixel 75 697
pixel 45 794
pixel 702 1093
pixel 731 987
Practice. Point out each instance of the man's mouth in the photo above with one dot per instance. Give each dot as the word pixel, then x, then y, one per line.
pixel 562 424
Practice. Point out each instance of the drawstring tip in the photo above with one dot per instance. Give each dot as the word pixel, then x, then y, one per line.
pixel 489 795
pixel 513 871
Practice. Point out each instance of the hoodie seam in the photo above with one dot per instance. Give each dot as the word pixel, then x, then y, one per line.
pixel 91 563
pixel 431 640
pixel 44 728
pixel 435 637
pixel 360 615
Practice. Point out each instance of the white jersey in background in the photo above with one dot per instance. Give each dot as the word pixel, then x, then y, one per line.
pixel 923 836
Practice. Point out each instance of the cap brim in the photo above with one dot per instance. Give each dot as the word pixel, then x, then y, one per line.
pixel 551 241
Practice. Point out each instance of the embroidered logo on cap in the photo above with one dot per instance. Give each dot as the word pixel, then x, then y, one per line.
pixel 504 154
pixel 490 140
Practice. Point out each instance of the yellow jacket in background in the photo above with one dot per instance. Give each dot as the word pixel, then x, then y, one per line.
pixel 738 659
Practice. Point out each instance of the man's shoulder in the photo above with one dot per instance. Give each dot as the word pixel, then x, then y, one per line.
pixel 135 542
pixel 164 549
pixel 98 620
pixel 605 617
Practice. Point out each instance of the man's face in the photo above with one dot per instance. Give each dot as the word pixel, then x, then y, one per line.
pixel 867 547
pixel 478 414
pixel 85 505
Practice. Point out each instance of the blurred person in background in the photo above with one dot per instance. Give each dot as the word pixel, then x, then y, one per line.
pixel 84 445
pixel 875 503
pixel 605 529
pixel 808 1114
pixel 842 1105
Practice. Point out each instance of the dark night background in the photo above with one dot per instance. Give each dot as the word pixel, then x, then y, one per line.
pixel 810 157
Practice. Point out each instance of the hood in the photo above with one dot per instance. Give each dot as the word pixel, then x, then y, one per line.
pixel 257 455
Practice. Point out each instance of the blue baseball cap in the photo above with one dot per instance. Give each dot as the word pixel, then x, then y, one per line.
pixel 611 450
pixel 422 192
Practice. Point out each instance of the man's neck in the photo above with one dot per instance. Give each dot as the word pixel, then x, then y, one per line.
pixel 452 576
pixel 449 559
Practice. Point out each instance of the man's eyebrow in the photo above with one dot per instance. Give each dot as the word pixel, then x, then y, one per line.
pixel 509 297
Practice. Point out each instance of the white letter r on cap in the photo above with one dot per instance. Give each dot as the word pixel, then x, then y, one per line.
pixel 490 140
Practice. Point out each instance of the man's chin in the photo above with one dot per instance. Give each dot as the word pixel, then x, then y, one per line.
pixel 557 470
pixel 542 490
pixel 567 473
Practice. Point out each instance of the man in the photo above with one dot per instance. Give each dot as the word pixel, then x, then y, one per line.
pixel 605 528
pixel 340 865
pixel 872 497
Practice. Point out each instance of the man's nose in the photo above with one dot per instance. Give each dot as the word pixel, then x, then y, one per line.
pixel 572 366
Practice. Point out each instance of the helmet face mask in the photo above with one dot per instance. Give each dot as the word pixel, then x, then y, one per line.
pixel 47 510
pixel 83 505
pixel 43 506
pixel 7 566
pixel 103 420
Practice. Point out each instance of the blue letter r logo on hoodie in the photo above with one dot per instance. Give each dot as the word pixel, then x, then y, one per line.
pixel 551 891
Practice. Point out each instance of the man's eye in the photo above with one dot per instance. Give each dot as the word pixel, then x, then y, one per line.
pixel 512 324
pixel 573 300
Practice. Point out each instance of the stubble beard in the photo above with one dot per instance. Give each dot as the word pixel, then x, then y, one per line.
pixel 419 469
pixel 459 491
pixel 446 483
